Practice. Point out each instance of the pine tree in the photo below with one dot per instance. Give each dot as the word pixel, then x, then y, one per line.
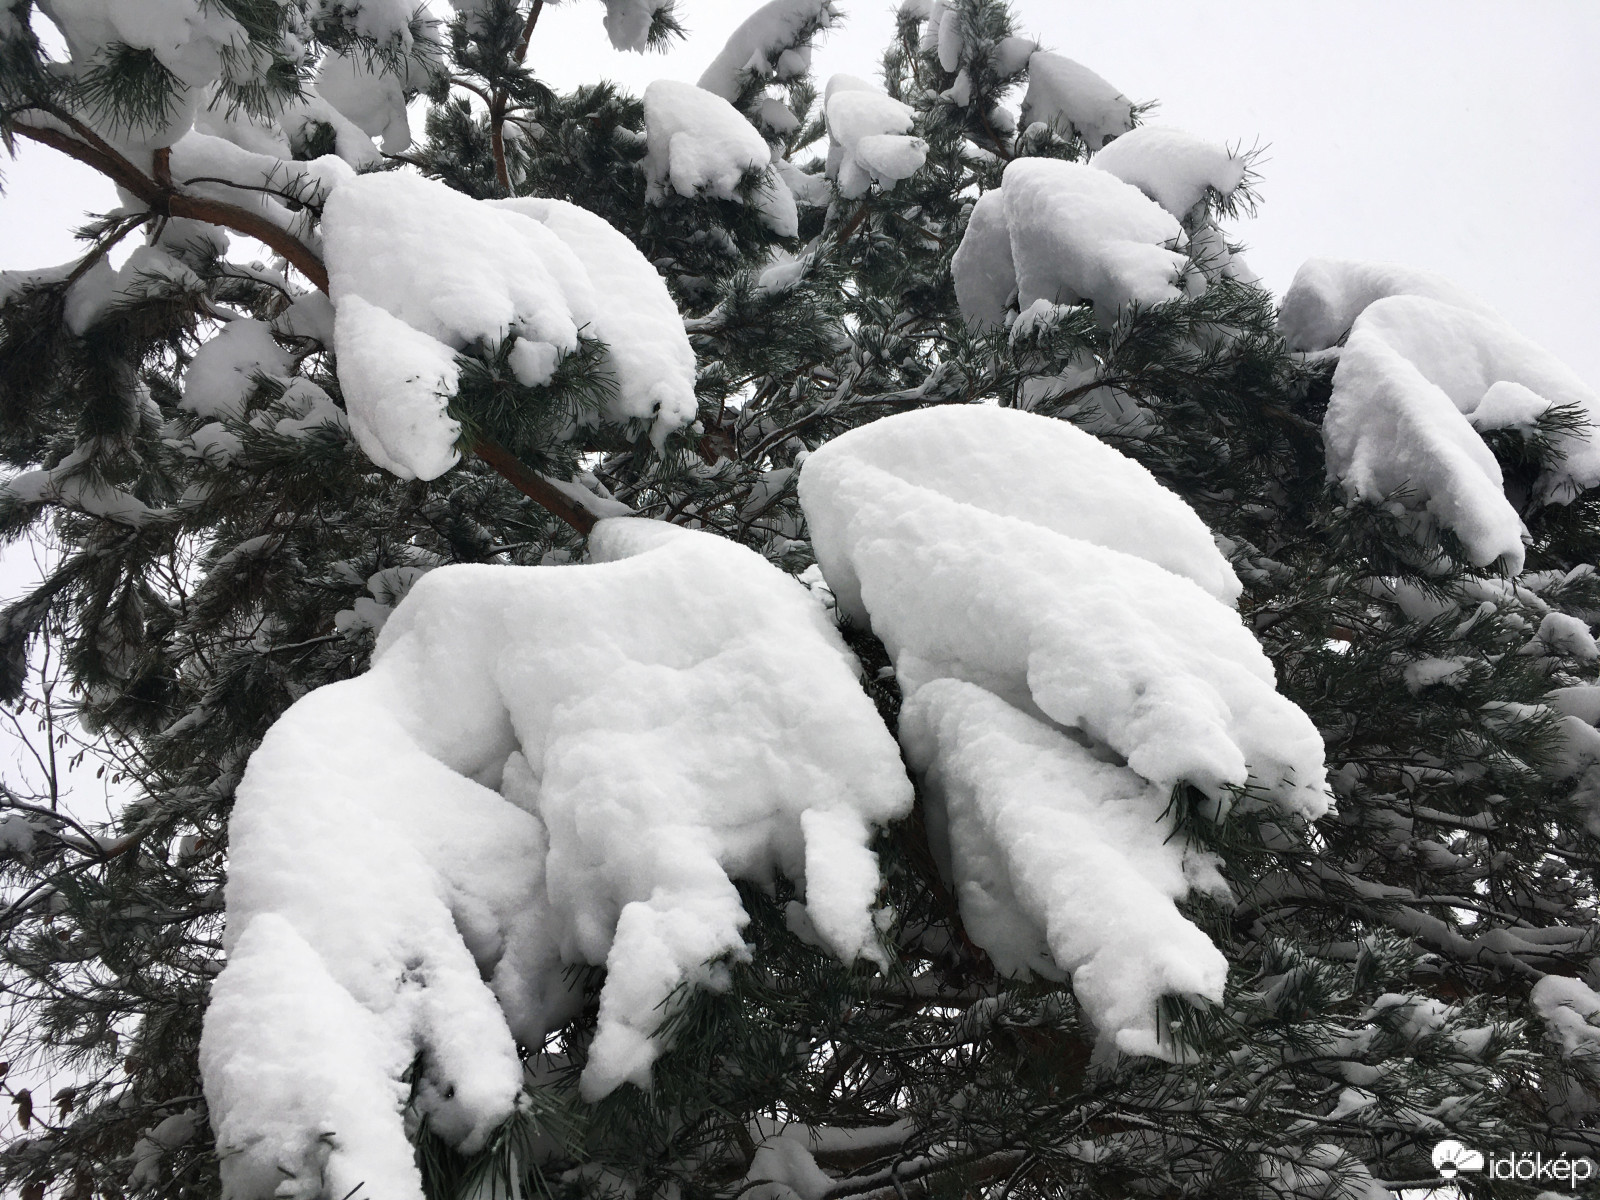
pixel 1416 965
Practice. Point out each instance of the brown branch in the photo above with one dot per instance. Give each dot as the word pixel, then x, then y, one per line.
pixel 535 486
pixel 165 199
pixel 497 106
pixel 169 202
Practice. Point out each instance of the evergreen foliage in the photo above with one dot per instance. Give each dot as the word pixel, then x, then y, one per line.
pixel 207 569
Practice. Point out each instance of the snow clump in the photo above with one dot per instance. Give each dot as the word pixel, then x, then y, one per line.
pixel 772 43
pixel 1425 370
pixel 1051 609
pixel 545 766
pixel 418 273
pixel 1065 233
pixel 699 144
pixel 1067 95
pixel 1328 294
pixel 870 138
pixel 1174 168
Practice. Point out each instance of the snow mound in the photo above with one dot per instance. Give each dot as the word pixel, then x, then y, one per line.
pixel 223 370
pixel 418 273
pixel 647 349
pixel 1416 382
pixel 869 137
pixel 699 144
pixel 772 42
pixel 1067 94
pixel 984 273
pixel 1052 613
pixel 1173 168
pixel 545 766
pixel 1061 861
pixel 1328 294
pixel 628 22
pixel 969 538
pixel 1072 234
pixel 1569 1008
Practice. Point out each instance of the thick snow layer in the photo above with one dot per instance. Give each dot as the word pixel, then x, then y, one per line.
pixel 647 349
pixel 1061 861
pixel 1019 553
pixel 772 42
pixel 223 370
pixel 1328 294
pixel 545 766
pixel 699 144
pixel 869 137
pixel 628 22
pixel 1416 381
pixel 1173 168
pixel 1040 471
pixel 982 268
pixel 1074 234
pixel 1067 94
pixel 451 272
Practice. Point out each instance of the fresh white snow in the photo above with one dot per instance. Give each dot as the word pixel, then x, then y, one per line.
pixel 1172 167
pixel 1052 613
pixel 1070 96
pixel 544 766
pixel 1120 635
pixel 1074 233
pixel 1063 862
pixel 1417 380
pixel 870 138
pixel 1328 294
pixel 768 44
pixel 699 144
pixel 223 370
pixel 433 273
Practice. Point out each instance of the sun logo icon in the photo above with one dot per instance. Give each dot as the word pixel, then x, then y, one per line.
pixel 1451 1158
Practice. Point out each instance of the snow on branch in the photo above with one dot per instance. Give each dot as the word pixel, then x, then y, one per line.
pixel 699 144
pixel 772 43
pixel 870 139
pixel 1051 609
pixel 1064 232
pixel 1420 379
pixel 1068 95
pixel 545 766
pixel 1175 169
pixel 419 273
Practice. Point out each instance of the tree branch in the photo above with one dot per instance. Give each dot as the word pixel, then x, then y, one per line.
pixel 497 106
pixel 170 202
